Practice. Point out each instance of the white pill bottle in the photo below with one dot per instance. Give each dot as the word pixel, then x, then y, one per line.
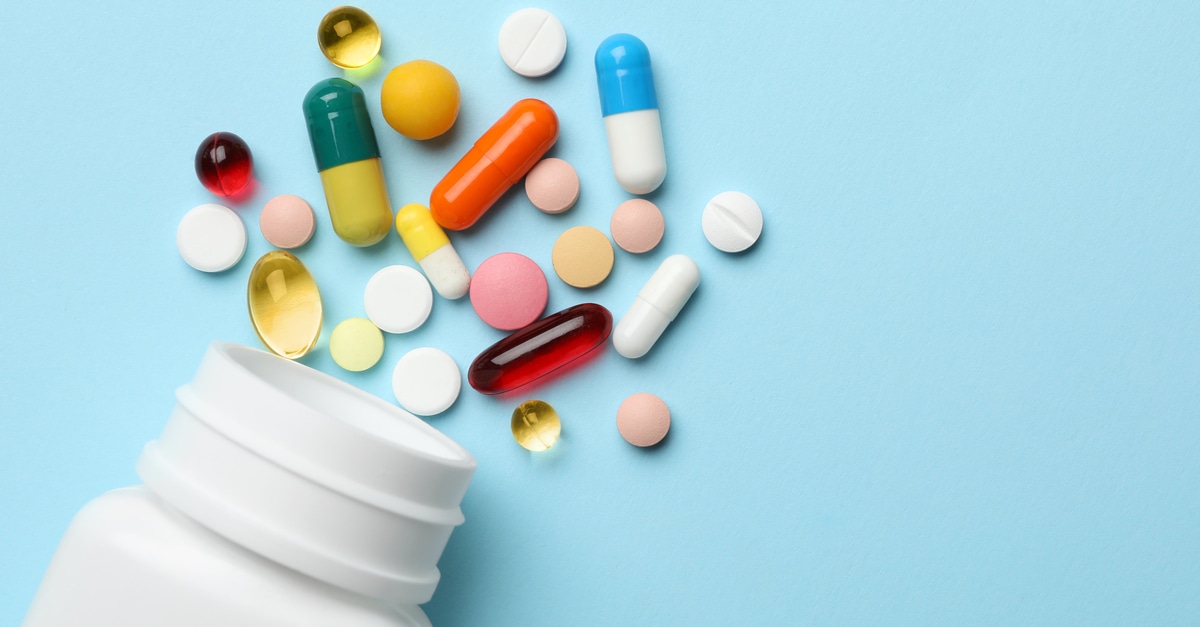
pixel 275 496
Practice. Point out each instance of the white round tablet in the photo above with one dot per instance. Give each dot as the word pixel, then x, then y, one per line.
pixel 426 381
pixel 211 238
pixel 732 222
pixel 532 42
pixel 398 299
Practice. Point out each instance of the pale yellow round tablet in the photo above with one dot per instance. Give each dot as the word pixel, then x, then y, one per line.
pixel 582 257
pixel 356 344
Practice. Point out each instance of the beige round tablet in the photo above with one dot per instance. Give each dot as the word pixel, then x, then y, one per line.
pixel 287 221
pixel 643 419
pixel 637 225
pixel 582 257
pixel 552 186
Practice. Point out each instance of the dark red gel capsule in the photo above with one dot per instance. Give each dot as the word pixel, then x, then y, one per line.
pixel 224 164
pixel 540 348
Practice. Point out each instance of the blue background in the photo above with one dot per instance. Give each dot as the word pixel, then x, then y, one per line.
pixel 957 380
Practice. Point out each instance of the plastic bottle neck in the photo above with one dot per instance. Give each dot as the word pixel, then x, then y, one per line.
pixel 311 473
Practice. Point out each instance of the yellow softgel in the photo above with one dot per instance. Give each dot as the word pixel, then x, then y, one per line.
pixel 285 304
pixel 420 99
pixel 535 425
pixel 349 37
pixel 356 344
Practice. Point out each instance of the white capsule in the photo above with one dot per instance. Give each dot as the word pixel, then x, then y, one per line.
pixel 656 305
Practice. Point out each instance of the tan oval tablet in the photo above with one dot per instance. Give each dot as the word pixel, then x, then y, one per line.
pixel 582 257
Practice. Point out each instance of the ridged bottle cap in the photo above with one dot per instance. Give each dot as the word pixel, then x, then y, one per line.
pixel 312 473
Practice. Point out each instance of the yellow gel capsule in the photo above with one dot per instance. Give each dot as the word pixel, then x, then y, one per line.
pixel 535 425
pixel 349 37
pixel 356 344
pixel 285 304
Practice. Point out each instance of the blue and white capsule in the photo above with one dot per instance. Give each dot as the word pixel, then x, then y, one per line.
pixel 630 108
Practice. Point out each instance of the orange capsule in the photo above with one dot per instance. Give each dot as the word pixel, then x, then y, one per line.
pixel 500 158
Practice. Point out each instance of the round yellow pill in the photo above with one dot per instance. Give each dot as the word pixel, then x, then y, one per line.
pixel 356 344
pixel 420 99
pixel 582 257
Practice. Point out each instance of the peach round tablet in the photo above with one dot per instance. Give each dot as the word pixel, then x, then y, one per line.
pixel 643 419
pixel 552 186
pixel 287 221
pixel 509 291
pixel 582 257
pixel 637 225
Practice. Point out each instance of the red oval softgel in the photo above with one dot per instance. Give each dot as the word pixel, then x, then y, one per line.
pixel 224 164
pixel 540 348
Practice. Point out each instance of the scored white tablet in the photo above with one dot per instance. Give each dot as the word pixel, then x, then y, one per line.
pixel 532 42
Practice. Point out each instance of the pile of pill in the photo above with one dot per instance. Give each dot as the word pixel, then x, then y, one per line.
pixel 508 291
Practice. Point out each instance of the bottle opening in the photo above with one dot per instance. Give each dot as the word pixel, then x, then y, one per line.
pixel 347 404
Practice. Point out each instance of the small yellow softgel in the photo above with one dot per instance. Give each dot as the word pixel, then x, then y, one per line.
pixel 535 425
pixel 420 99
pixel 356 344
pixel 349 37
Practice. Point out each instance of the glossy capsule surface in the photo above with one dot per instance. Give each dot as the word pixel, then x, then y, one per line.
pixel 347 157
pixel 224 164
pixel 432 250
pixel 536 425
pixel 500 157
pixel 539 349
pixel 349 37
pixel 630 108
pixel 656 305
pixel 285 304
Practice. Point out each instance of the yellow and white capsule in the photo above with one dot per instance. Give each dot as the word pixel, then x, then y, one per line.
pixel 433 251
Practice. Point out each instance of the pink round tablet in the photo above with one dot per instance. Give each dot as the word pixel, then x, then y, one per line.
pixel 509 291
pixel 552 185
pixel 643 419
pixel 287 221
pixel 637 225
